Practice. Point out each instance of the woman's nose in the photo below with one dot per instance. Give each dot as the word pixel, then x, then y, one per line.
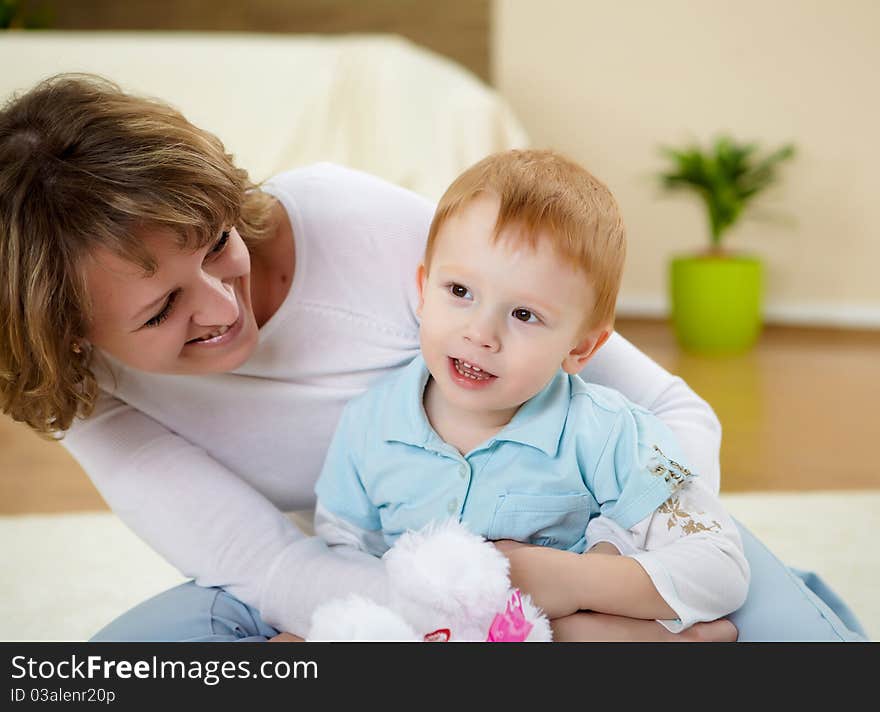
pixel 217 305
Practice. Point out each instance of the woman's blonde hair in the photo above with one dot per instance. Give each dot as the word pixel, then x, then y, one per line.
pixel 547 194
pixel 84 165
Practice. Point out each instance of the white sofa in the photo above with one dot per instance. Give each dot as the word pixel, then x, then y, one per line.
pixel 378 103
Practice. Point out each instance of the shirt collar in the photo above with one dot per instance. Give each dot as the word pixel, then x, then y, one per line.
pixel 538 423
pixel 404 416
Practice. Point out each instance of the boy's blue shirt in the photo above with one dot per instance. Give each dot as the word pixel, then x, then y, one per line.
pixel 572 452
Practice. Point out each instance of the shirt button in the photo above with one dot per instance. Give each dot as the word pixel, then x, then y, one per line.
pixel 463 471
pixel 453 505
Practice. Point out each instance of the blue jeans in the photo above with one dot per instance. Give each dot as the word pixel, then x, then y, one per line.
pixel 783 605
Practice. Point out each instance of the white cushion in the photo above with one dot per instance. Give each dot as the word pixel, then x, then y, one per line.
pixel 374 102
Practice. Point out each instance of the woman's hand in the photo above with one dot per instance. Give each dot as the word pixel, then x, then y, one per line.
pixel 286 638
pixel 604 547
pixel 604 628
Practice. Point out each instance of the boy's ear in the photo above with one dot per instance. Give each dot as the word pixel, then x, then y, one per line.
pixel 421 276
pixel 585 350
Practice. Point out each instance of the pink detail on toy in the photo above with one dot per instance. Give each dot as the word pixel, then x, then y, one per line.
pixel 510 626
pixel 441 635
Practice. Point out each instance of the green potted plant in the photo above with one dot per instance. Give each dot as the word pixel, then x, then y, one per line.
pixel 716 294
pixel 23 15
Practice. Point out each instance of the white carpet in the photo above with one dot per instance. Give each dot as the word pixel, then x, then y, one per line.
pixel 66 575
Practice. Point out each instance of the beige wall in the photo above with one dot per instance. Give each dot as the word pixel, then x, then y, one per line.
pixel 607 82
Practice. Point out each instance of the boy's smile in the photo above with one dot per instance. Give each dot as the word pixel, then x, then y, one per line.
pixel 469 375
pixel 498 319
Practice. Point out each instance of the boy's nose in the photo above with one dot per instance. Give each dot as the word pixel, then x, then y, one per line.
pixel 482 335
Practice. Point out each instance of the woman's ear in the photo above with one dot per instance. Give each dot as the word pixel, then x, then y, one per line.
pixel 421 276
pixel 586 348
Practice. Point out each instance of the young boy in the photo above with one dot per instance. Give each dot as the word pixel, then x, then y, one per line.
pixel 492 425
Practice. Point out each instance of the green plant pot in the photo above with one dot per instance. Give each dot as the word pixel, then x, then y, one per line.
pixel 716 302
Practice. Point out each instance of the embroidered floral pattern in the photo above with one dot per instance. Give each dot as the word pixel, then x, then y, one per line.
pixel 675 475
pixel 680 518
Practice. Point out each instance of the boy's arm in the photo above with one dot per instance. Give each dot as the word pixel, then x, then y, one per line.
pixel 689 551
pixel 693 553
pixel 589 626
pixel 701 573
pixel 563 582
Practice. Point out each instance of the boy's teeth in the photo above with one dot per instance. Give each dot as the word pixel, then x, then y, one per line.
pixel 460 367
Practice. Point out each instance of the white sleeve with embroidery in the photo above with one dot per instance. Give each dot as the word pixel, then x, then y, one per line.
pixel 336 531
pixel 692 551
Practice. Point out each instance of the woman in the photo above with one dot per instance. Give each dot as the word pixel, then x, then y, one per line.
pixel 195 337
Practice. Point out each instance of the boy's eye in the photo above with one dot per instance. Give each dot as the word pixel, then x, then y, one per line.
pixel 524 315
pixel 459 290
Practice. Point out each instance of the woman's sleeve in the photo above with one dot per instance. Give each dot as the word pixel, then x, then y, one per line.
pixel 621 366
pixel 344 513
pixel 337 531
pixel 210 524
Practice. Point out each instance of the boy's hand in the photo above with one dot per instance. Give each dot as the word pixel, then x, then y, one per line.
pixel 505 546
pixel 540 572
pixel 563 582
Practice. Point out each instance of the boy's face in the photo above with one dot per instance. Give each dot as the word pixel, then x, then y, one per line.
pixel 499 319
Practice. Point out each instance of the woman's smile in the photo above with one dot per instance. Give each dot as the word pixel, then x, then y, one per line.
pixel 221 336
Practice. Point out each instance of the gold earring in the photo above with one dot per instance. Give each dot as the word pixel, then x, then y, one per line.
pixel 77 349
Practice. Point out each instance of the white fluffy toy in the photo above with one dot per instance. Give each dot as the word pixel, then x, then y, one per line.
pixel 447 584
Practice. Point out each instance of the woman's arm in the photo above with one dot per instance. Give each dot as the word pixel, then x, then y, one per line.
pixel 620 365
pixel 336 531
pixel 210 524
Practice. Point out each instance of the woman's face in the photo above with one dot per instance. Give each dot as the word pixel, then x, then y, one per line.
pixel 192 316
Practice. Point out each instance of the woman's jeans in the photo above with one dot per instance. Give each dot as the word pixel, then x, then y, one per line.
pixel 783 605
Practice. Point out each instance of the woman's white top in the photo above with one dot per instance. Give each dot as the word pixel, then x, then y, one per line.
pixel 203 468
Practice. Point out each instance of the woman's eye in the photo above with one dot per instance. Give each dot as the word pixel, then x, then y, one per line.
pixel 220 245
pixel 525 315
pixel 459 290
pixel 166 311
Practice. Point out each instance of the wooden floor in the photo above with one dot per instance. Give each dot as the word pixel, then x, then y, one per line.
pixel 799 412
